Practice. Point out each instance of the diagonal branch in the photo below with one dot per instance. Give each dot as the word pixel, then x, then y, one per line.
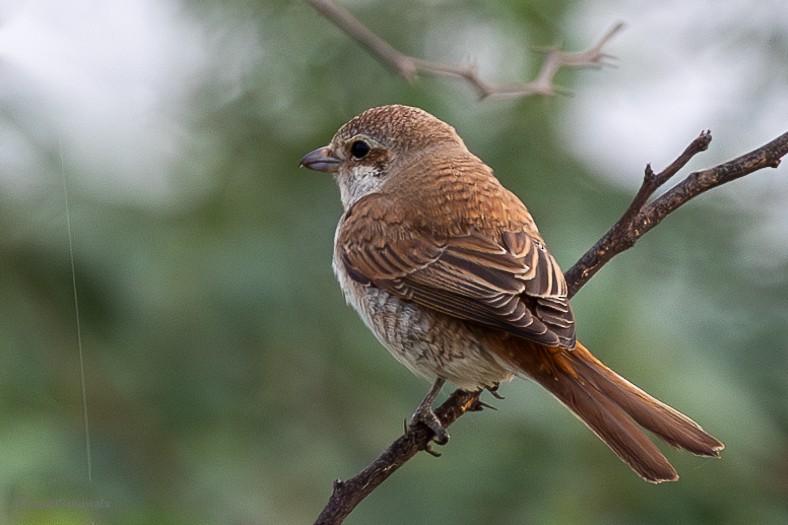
pixel 410 67
pixel 640 217
pixel 347 494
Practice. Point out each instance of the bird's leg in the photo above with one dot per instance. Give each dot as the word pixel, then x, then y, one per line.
pixel 424 414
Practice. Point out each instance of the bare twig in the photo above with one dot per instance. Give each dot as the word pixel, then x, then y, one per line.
pixel 347 494
pixel 640 217
pixel 410 67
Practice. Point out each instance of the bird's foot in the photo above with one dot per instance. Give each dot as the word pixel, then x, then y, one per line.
pixel 426 416
pixel 494 391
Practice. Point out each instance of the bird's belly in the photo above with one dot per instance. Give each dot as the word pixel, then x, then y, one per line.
pixel 428 343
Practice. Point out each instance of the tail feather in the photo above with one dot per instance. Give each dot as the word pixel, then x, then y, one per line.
pixel 669 424
pixel 612 408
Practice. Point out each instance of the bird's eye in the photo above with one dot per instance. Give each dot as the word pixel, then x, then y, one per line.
pixel 359 149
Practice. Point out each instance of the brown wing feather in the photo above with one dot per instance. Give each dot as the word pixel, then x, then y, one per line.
pixel 511 283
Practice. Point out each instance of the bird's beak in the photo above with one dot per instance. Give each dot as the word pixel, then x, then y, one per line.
pixel 321 159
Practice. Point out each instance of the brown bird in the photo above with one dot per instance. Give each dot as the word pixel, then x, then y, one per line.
pixel 448 270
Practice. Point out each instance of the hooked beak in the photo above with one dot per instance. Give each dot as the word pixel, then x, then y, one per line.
pixel 321 159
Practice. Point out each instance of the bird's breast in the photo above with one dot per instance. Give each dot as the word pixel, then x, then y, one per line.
pixel 428 343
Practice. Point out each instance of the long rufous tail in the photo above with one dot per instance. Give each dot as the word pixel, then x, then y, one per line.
pixel 611 406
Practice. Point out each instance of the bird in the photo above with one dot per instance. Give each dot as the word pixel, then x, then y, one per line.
pixel 448 270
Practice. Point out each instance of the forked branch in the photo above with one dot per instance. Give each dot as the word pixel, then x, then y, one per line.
pixel 640 217
pixel 410 67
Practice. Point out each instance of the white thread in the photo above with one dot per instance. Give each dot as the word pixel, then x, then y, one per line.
pixel 76 311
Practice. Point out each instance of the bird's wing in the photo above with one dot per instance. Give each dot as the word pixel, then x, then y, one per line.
pixel 511 282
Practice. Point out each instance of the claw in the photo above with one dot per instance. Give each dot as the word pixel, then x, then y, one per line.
pixel 481 404
pixel 425 415
pixel 494 391
pixel 431 452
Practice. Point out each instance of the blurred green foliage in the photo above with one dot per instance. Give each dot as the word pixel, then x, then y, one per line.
pixel 228 383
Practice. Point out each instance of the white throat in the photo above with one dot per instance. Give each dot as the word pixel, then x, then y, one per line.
pixel 361 181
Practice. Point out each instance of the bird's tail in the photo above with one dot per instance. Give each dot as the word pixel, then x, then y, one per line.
pixel 611 406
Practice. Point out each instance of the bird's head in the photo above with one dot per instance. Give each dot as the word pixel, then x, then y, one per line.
pixel 376 145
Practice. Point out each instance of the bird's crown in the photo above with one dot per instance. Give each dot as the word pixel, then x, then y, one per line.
pixel 397 127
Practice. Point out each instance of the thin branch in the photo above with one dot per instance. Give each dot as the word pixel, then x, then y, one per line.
pixel 640 217
pixel 347 494
pixel 410 67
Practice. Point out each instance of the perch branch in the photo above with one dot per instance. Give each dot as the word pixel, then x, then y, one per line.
pixel 640 217
pixel 410 67
pixel 347 494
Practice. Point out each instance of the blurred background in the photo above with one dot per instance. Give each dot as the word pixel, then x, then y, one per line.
pixel 227 382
